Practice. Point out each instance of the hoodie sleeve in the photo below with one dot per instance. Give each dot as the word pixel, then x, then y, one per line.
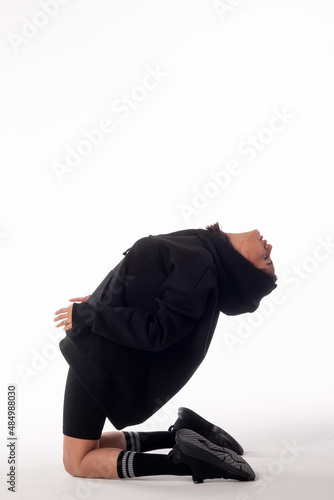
pixel 179 311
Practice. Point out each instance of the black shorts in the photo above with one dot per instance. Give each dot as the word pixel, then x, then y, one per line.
pixel 82 418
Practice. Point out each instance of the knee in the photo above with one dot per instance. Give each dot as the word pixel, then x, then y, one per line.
pixel 74 450
pixel 71 466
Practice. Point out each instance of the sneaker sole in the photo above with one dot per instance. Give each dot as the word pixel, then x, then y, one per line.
pixel 210 431
pixel 198 447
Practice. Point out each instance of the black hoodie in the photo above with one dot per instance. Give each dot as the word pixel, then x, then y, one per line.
pixel 147 327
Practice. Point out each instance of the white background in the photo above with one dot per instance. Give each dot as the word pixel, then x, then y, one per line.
pixel 227 71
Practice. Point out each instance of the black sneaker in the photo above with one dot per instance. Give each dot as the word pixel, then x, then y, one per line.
pixel 207 460
pixel 188 419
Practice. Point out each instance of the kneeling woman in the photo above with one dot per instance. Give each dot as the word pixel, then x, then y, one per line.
pixel 139 337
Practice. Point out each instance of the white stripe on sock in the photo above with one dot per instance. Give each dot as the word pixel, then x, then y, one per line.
pixel 130 464
pixel 132 439
pixel 136 436
pixel 124 460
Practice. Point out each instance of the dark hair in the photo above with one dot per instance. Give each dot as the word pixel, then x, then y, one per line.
pixel 215 228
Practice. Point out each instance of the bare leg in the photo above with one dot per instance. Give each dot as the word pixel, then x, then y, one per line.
pixel 113 439
pixel 85 457
pixel 100 463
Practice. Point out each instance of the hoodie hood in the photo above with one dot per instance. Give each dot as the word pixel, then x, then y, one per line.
pixel 241 285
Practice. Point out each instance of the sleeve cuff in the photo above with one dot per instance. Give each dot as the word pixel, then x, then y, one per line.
pixel 83 315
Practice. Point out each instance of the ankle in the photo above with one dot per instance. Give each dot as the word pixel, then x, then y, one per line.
pixel 147 441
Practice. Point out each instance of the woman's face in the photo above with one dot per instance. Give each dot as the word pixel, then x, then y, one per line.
pixel 255 249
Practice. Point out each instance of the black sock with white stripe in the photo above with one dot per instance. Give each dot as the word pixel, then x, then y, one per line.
pixel 146 441
pixel 131 464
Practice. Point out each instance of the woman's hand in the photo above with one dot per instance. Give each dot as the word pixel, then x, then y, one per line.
pixel 80 299
pixel 65 317
pixel 65 314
